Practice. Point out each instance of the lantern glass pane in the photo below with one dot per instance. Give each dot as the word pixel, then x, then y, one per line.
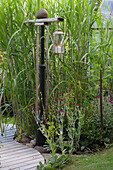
pixel 58 39
pixel 59 44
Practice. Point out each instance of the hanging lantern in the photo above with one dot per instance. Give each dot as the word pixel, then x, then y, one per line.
pixel 58 42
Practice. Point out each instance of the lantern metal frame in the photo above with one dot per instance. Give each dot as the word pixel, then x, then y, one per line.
pixel 58 42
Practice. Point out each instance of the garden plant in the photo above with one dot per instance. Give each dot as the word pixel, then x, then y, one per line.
pixel 73 119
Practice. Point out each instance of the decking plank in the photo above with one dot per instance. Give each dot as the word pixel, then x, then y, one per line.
pixel 13 149
pixel 19 155
pixel 23 164
pixel 10 146
pixel 16 156
pixel 21 161
pixel 4 144
pixel 11 159
pixel 16 152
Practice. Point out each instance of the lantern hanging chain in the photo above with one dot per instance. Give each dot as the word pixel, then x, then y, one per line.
pixel 37 60
pixel 47 53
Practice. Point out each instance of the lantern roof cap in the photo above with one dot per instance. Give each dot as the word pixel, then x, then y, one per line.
pixel 58 31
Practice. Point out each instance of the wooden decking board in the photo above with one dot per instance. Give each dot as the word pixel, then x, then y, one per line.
pixel 12 159
pixel 25 160
pixel 10 146
pixel 9 140
pixel 4 144
pixel 6 139
pixel 23 164
pixel 13 149
pixel 16 156
pixel 19 155
pixel 29 167
pixel 9 143
pixel 8 134
pixel 17 152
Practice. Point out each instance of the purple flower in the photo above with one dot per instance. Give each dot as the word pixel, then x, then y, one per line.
pixel 96 97
pixel 64 104
pixel 71 103
pixel 59 115
pixel 32 106
pixel 46 121
pixel 61 111
pixel 64 98
pixel 71 87
pixel 77 105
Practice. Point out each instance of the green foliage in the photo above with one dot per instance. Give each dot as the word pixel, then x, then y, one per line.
pixel 55 162
pixel 91 129
pixel 63 130
pixel 73 75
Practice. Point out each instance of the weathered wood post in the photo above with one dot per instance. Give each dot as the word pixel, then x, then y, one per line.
pixel 101 111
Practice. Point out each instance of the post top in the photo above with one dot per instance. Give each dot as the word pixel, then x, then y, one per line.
pixel 42 13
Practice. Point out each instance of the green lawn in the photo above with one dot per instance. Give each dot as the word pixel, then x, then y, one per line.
pixel 98 161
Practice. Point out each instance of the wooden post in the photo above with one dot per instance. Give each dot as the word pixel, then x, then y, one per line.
pixel 37 58
pixel 101 111
pixel 47 53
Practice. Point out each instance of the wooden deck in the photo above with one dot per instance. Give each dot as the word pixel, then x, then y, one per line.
pixel 16 156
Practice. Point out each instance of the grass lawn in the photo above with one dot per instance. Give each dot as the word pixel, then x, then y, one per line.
pixel 98 161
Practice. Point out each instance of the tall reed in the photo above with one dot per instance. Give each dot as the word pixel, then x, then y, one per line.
pixel 72 74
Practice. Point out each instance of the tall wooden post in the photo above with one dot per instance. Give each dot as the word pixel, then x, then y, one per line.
pixel 101 110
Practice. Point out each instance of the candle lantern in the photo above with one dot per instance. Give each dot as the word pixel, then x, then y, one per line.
pixel 58 42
